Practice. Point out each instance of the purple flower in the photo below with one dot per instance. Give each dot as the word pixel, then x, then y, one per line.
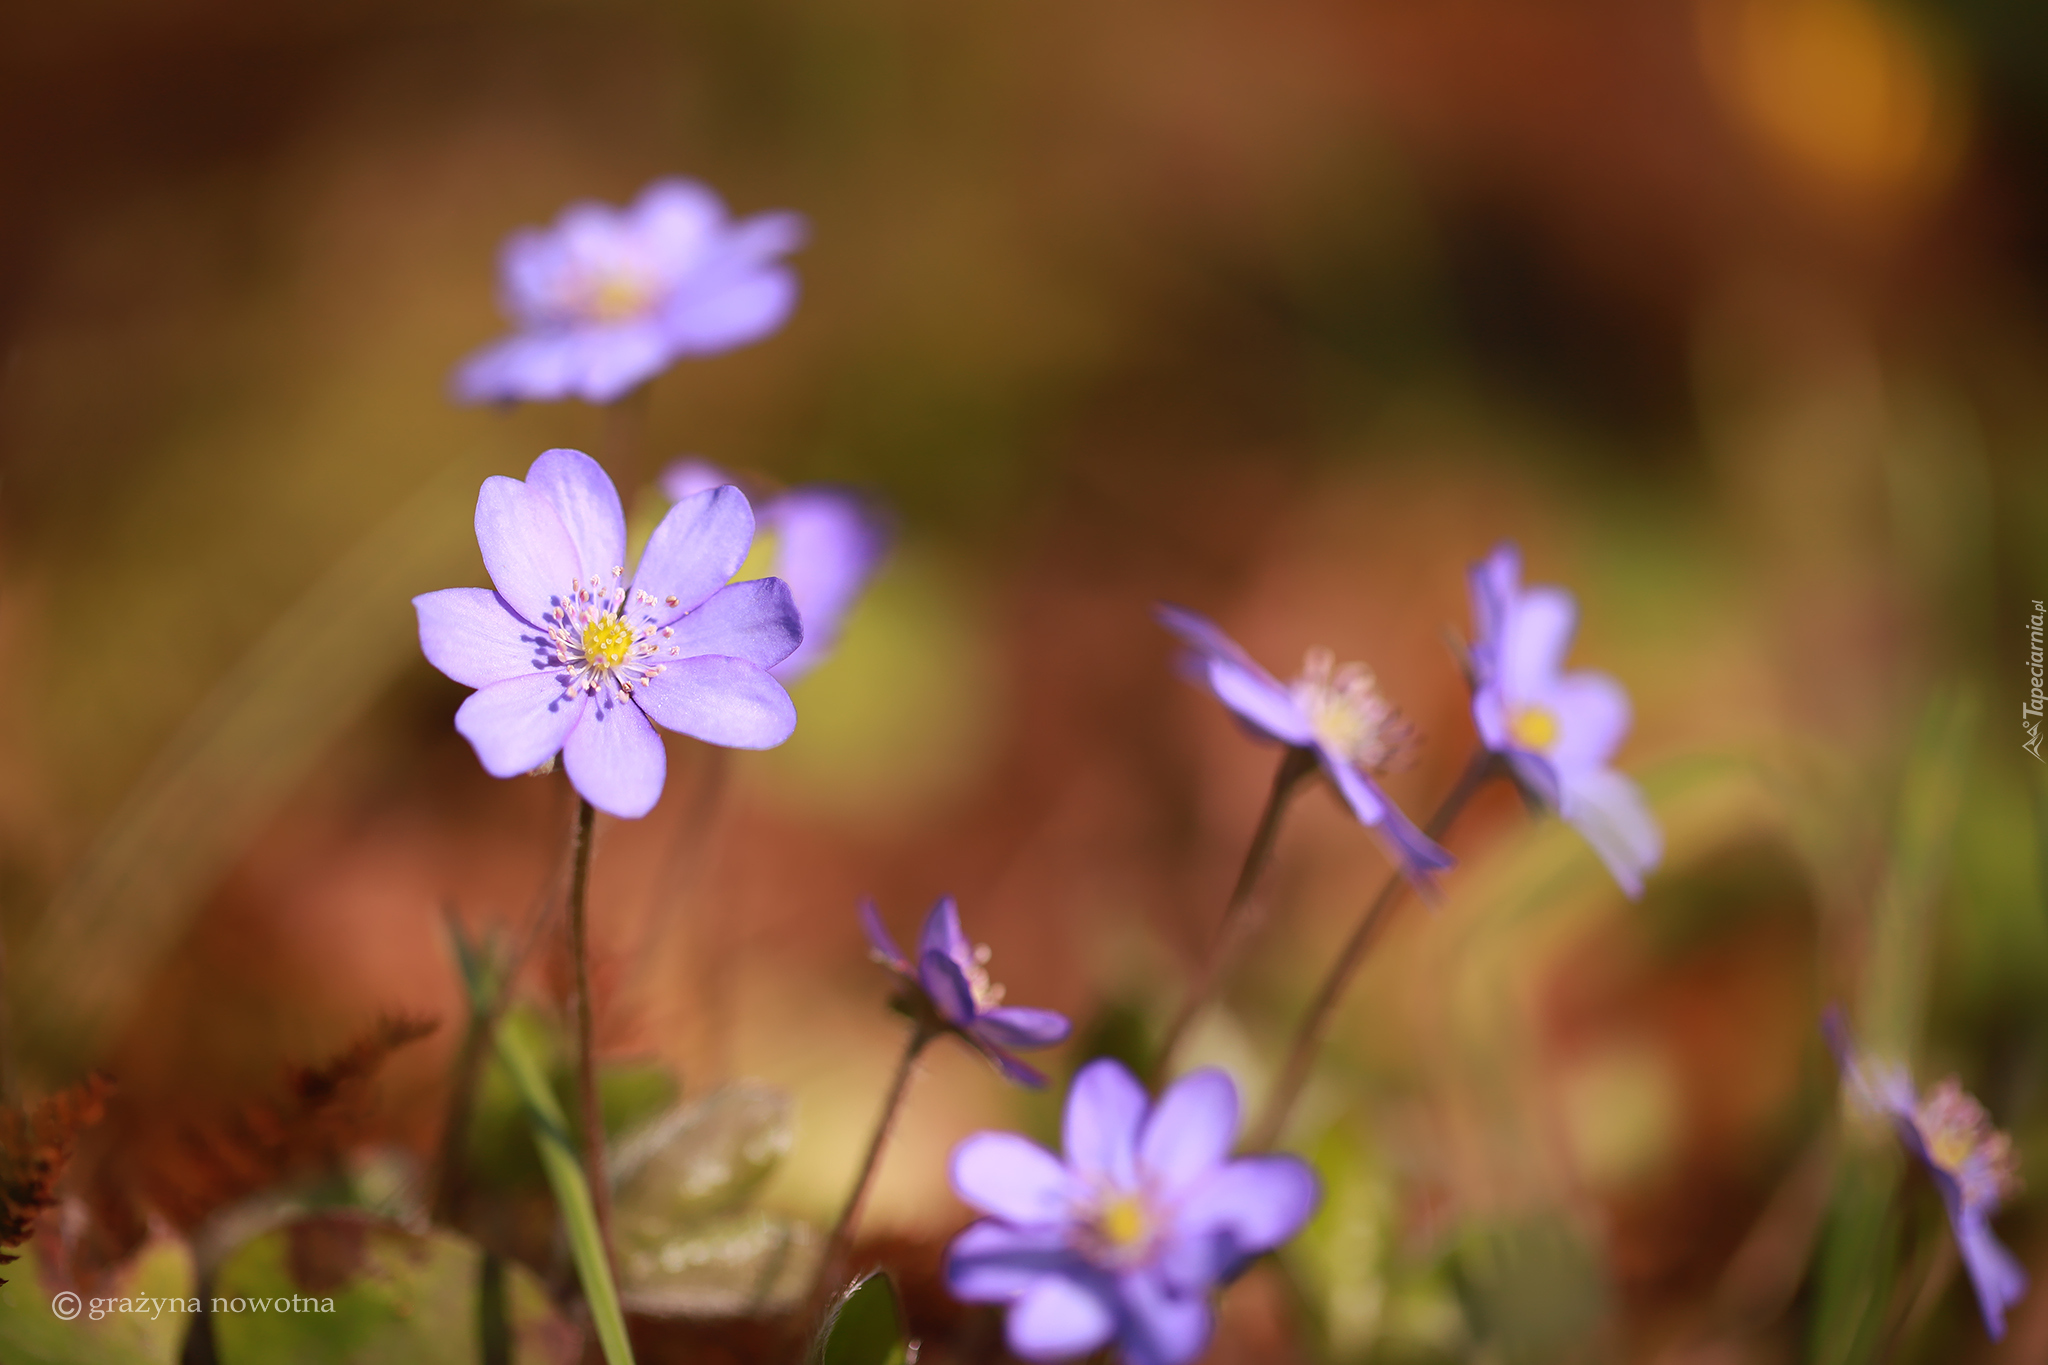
pixel 1338 713
pixel 1971 1162
pixel 609 297
pixel 1556 730
pixel 1124 1239
pixel 570 655
pixel 948 988
pixel 828 541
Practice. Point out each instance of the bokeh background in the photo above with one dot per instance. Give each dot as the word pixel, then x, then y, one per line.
pixel 1731 312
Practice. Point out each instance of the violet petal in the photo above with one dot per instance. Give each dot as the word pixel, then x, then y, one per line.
pixel 1161 1327
pixel 525 547
pixel 943 934
pixel 1059 1318
pixel 697 547
pixel 1012 1178
pixel 947 986
pixel 582 495
pixel 471 635
pixel 755 621
pixel 1020 1026
pixel 1189 1132
pixel 719 700
pixel 518 724
pixel 1105 1107
pixel 878 936
pixel 995 1262
pixel 1609 811
pixel 615 760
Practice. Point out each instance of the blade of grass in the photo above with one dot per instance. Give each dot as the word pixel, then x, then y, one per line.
pixel 572 1196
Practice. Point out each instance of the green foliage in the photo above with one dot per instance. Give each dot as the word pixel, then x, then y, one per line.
pixel 865 1327
pixel 30 1329
pixel 1534 1290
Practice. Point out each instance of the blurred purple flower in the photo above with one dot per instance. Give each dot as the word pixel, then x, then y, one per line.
pixel 608 298
pixel 1972 1163
pixel 827 542
pixel 1126 1238
pixel 1338 713
pixel 568 655
pixel 1556 730
pixel 948 986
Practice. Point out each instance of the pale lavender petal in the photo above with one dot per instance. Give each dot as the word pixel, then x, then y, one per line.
pixel 597 364
pixel 527 551
pixel 690 475
pixel 1008 1177
pixel 1021 1027
pixel 1592 713
pixel 697 547
pixel 1105 1107
pixel 721 701
pixel 1059 1318
pixel 1015 1069
pixel 993 1262
pixel 1994 1274
pixel 519 724
pixel 943 934
pixel 829 543
pixel 582 495
pixel 719 315
pixel 1189 1132
pixel 1609 811
pixel 1250 1206
pixel 1490 717
pixel 1415 853
pixel 943 982
pixel 1493 583
pixel 1536 776
pixel 1535 637
pixel 615 760
pixel 878 936
pixel 754 620
pixel 1200 634
pixel 677 221
pixel 1161 1327
pixel 1259 701
pixel 475 638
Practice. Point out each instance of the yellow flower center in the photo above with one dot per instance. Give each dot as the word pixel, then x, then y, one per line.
pixel 1534 727
pixel 607 639
pixel 1123 1222
pixel 1346 710
pixel 617 295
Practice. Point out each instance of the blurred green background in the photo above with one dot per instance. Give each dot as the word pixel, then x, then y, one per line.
pixel 1730 311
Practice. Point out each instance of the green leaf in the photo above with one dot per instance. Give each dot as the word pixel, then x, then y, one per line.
pixel 572 1196
pixel 865 1326
pixel 352 1291
pixel 142 1312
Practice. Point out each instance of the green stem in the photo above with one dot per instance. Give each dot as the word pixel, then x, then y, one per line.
pixel 1296 764
pixel 1308 1037
pixel 840 1243
pixel 586 1048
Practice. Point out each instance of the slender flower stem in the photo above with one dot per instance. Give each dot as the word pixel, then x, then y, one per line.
pixel 586 1051
pixel 841 1241
pixel 1308 1037
pixel 1296 764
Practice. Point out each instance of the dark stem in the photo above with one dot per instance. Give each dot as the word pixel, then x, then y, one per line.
pixel 494 1317
pixel 1297 763
pixel 1308 1037
pixel 586 1049
pixel 840 1243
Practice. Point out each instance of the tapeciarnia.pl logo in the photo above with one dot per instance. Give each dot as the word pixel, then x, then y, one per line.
pixel 2030 711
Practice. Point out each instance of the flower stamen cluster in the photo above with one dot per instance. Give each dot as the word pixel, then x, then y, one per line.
pixel 604 650
pixel 1960 1140
pixel 1349 713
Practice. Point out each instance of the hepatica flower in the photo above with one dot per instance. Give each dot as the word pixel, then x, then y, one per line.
pixel 946 987
pixel 608 298
pixel 1971 1162
pixel 571 655
pixel 1125 1238
pixel 1557 731
pixel 827 542
pixel 1336 713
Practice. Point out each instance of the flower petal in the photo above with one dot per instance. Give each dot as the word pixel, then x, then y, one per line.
pixel 1015 1070
pixel 1011 1178
pixel 730 310
pixel 690 475
pixel 943 934
pixel 1493 584
pixel 696 548
pixel 1994 1274
pixel 1189 1132
pixel 947 986
pixel 1415 853
pixel 1237 680
pixel 1609 811
pixel 1105 1107
pixel 1534 638
pixel 1159 1326
pixel 993 1262
pixel 582 495
pixel 1021 1027
pixel 1247 1207
pixel 830 541
pixel 475 638
pixel 755 621
pixel 878 936
pixel 525 546
pixel 615 760
pixel 1592 713
pixel 1059 1318
pixel 518 724
pixel 720 701
pixel 597 364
